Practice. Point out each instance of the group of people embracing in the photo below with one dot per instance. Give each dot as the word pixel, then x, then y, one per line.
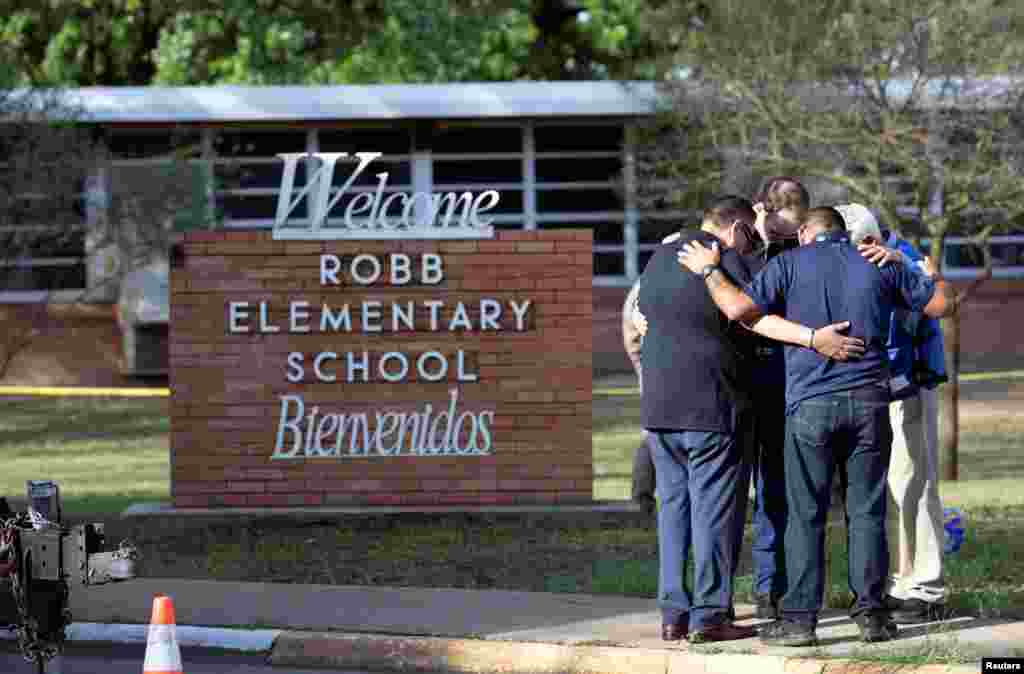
pixel 771 346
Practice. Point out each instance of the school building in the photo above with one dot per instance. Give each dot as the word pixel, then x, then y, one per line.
pixel 560 155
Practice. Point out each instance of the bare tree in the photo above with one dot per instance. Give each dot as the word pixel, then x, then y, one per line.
pixel 909 106
pixel 62 193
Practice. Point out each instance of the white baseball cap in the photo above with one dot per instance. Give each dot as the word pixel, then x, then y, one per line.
pixel 860 222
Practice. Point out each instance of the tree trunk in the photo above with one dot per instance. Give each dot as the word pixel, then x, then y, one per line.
pixel 949 401
pixel 949 394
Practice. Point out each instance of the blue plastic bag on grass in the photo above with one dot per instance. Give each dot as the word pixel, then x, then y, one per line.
pixel 954 530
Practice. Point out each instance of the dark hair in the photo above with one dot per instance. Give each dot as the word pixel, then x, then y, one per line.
pixel 725 210
pixel 780 192
pixel 825 217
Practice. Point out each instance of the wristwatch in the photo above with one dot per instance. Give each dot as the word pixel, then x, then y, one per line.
pixel 708 270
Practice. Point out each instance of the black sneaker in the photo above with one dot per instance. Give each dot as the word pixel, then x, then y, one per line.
pixel 875 627
pixel 788 633
pixel 891 603
pixel 915 611
pixel 767 606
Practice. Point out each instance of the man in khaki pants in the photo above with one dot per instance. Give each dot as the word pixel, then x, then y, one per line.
pixel 916 355
pixel 917 590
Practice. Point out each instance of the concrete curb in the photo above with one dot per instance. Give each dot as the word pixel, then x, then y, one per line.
pixel 477 656
pixel 250 641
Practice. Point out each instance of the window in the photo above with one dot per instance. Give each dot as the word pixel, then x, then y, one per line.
pixel 577 200
pixel 643 257
pixel 46 258
pixel 248 172
pixel 476 172
pixel 564 169
pixel 460 139
pixel 394 144
pixel 476 158
pixel 609 264
pixel 652 230
pixel 548 175
pixel 42 232
pixel 390 141
pixel 127 144
pixel 606 232
pixel 579 137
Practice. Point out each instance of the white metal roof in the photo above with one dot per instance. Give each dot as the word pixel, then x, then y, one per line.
pixel 369 102
pixel 170 105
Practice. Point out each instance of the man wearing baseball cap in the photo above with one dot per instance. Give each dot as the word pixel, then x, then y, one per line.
pixel 917 366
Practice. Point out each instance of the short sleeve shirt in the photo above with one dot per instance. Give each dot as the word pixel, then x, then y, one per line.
pixel 828 281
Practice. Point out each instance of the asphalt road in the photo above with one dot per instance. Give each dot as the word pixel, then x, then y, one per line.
pixel 128 659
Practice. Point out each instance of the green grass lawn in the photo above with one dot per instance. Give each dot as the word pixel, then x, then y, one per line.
pixel 991 454
pixel 105 453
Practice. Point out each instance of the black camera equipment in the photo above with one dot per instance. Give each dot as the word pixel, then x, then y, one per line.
pixel 40 560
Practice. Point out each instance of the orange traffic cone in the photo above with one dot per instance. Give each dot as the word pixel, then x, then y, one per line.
pixel 162 653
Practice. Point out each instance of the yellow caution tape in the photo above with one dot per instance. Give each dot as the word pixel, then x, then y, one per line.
pixel 635 391
pixel 143 392
pixel 988 376
pixel 59 391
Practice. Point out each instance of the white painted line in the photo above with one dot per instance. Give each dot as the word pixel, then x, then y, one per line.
pixel 203 637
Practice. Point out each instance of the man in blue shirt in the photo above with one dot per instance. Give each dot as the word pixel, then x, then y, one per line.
pixel 917 362
pixel 836 411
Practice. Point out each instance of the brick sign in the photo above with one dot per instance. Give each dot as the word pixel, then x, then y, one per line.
pixel 349 372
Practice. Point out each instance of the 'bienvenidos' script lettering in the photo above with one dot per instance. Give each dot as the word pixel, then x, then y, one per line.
pixel 390 433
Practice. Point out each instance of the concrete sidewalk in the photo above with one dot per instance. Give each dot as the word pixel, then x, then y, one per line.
pixel 407 629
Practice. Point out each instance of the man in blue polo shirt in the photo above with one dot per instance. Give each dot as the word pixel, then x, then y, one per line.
pixel 836 411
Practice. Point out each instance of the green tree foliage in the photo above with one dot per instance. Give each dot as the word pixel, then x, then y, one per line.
pixel 912 107
pixel 890 102
pixel 117 42
pixel 140 42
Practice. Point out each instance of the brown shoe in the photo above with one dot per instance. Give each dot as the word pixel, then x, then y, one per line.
pixel 725 631
pixel 677 630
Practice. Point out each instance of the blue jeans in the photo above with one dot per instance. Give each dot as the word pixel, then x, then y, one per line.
pixel 697 474
pixel 850 429
pixel 764 436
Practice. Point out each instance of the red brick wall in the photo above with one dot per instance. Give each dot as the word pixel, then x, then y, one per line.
pixel 990 328
pixel 225 408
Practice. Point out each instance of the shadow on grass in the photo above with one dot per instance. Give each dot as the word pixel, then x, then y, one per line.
pixel 82 508
pixel 28 424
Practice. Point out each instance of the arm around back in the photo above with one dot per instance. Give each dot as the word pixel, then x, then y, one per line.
pixel 943 301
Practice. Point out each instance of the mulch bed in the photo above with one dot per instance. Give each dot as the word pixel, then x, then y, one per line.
pixel 472 551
